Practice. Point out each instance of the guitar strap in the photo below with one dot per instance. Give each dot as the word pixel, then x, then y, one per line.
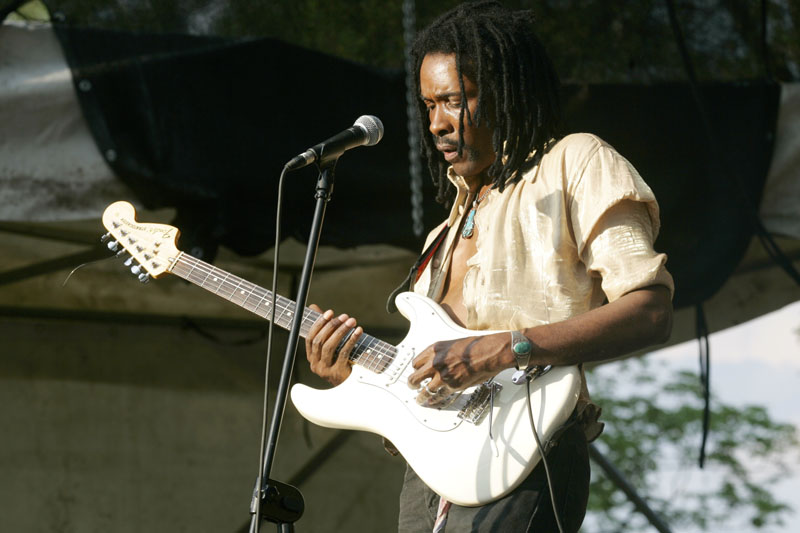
pixel 417 269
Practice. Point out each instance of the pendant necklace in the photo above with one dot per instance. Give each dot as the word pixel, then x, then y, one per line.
pixel 469 224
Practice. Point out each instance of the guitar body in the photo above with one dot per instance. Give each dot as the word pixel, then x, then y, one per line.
pixel 454 456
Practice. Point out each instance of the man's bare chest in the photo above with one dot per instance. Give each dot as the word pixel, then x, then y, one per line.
pixel 453 290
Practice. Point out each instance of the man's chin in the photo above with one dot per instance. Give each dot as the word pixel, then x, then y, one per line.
pixel 467 170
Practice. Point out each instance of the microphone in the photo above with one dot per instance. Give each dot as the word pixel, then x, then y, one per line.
pixel 366 130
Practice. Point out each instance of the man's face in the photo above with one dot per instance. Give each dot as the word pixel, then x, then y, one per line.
pixel 441 91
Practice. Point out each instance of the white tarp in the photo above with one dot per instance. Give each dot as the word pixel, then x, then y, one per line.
pixel 780 204
pixel 50 167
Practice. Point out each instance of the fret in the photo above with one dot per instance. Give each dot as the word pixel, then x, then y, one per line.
pixel 247 292
pixel 266 301
pixel 280 311
pixel 239 294
pixel 227 288
pixel 358 349
pixel 376 355
pixel 218 281
pixel 387 355
pixel 289 316
pixel 368 352
pixel 365 357
pixel 361 355
pixel 309 317
pixel 203 283
pixel 223 287
pixel 373 351
pixel 190 270
pixel 260 300
pixel 235 283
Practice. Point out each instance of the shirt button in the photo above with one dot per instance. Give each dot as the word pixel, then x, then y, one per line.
pixel 435 263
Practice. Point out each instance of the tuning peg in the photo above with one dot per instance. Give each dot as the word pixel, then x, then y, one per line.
pixel 105 237
pixel 122 253
pixel 144 277
pixel 136 270
pixel 128 262
pixel 113 246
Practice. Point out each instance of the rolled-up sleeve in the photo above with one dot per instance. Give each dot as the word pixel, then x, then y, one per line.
pixel 620 251
pixel 615 221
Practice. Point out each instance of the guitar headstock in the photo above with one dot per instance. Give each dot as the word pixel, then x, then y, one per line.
pixel 152 246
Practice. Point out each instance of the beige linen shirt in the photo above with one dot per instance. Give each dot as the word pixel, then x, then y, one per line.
pixel 575 231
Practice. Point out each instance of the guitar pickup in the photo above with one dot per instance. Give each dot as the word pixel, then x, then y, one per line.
pixel 478 404
pixel 393 368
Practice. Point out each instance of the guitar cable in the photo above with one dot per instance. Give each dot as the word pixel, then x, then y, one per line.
pixel 544 459
pixel 255 525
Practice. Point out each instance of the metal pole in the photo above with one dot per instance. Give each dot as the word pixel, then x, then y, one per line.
pixel 619 480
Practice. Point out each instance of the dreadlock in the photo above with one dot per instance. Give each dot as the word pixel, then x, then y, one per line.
pixel 517 87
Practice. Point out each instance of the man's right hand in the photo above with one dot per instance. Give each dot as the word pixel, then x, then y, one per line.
pixel 322 340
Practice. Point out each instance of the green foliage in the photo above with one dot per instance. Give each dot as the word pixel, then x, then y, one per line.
pixel 32 11
pixel 591 41
pixel 652 435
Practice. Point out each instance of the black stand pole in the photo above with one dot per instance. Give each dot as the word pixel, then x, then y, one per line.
pixel 280 503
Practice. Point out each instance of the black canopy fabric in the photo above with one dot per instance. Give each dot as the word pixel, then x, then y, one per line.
pixel 205 124
pixel 708 180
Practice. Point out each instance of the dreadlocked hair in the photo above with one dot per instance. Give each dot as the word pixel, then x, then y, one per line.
pixel 518 88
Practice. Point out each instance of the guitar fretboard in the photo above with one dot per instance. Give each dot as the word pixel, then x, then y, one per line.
pixel 369 352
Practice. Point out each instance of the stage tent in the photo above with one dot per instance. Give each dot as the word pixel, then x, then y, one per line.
pixel 121 396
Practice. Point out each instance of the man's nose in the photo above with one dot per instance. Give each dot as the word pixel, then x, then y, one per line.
pixel 440 125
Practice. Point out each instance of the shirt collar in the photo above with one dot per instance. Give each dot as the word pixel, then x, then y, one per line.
pixel 462 195
pixel 463 188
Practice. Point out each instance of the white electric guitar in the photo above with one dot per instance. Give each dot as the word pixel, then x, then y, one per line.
pixel 474 450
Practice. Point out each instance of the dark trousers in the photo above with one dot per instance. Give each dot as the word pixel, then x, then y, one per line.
pixel 526 509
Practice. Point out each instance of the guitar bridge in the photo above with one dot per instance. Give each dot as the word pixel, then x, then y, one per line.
pixel 477 405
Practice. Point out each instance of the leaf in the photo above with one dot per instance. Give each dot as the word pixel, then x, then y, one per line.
pixel 653 429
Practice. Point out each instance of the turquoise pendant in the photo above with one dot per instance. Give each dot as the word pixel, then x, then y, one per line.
pixel 469 224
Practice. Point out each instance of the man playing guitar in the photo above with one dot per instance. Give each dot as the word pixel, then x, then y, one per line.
pixel 549 241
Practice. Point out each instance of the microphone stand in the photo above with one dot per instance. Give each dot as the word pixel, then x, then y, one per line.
pixel 280 503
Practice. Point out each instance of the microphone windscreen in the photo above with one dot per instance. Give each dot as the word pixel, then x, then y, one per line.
pixel 373 126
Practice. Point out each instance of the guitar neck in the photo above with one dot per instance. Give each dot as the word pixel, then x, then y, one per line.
pixel 369 351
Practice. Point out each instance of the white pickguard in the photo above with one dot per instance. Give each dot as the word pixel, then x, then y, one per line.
pixel 456 458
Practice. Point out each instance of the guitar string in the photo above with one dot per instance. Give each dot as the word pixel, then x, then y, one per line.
pixel 370 352
pixel 241 286
pixel 234 288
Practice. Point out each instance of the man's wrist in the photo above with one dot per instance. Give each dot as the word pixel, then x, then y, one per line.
pixel 521 348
